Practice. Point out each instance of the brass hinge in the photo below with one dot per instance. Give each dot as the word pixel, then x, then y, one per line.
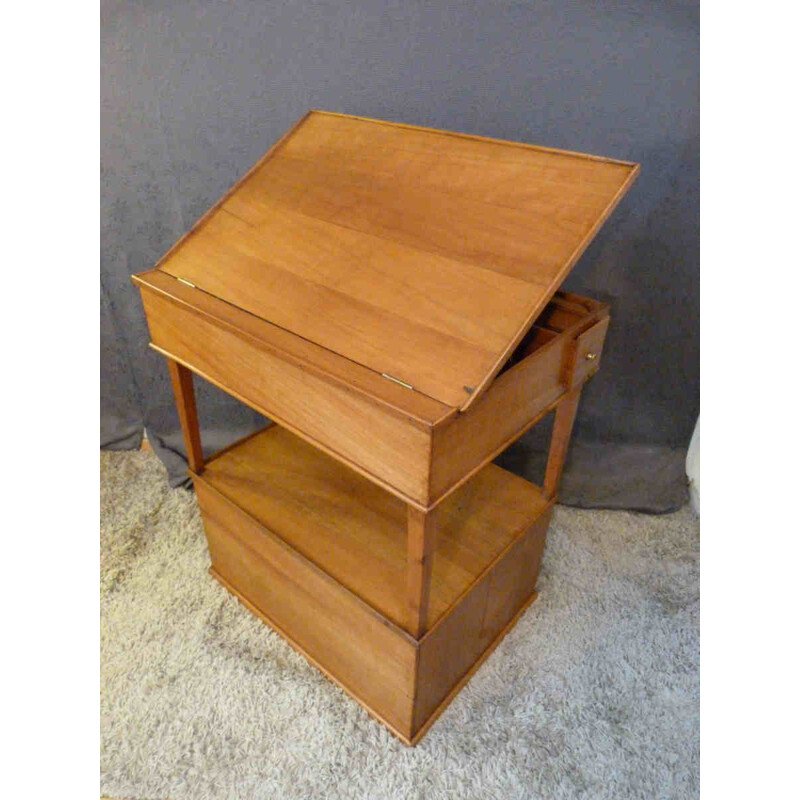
pixel 188 283
pixel 397 380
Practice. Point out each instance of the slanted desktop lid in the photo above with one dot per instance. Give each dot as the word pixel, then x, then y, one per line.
pixel 424 255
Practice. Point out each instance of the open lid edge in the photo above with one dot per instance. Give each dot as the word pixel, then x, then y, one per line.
pixel 417 406
pixel 480 388
pixel 552 288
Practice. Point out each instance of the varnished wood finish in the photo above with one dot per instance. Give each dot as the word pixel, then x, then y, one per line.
pixel 374 659
pixel 397 725
pixel 464 679
pixel 358 533
pixel 587 350
pixel 390 447
pixel 559 441
pixel 505 412
pixel 521 395
pixel 351 300
pixel 421 547
pixel 387 295
pixel 421 254
pixel 300 581
pixel 409 444
pixel 299 352
pixel 459 639
pixel 183 389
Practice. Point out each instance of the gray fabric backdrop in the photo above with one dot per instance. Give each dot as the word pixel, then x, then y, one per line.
pixel 194 92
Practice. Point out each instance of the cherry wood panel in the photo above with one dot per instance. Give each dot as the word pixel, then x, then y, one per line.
pixel 538 376
pixel 494 171
pixel 358 533
pixel 398 726
pixel 392 449
pixel 451 647
pixel 422 254
pixel 299 352
pixel 517 398
pixel 434 292
pixel 354 301
pixel 369 657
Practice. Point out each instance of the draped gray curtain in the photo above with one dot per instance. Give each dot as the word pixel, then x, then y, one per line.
pixel 194 92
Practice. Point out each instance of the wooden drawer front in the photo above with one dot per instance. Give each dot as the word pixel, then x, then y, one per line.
pixel 587 350
pixel 363 652
pixel 388 447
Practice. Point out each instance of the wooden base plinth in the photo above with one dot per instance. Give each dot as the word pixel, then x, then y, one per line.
pixel 373 712
pixel 318 553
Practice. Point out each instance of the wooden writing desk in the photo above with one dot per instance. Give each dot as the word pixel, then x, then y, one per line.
pixel 387 296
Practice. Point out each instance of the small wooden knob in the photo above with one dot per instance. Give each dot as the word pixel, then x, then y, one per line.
pixel 591 356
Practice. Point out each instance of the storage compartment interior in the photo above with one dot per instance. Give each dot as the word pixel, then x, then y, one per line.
pixel 357 532
pixel 561 313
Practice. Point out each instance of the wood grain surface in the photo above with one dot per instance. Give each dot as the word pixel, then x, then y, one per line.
pixel 388 445
pixel 321 555
pixel 357 533
pixel 423 255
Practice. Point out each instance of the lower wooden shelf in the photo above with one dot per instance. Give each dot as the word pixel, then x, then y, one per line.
pixel 320 553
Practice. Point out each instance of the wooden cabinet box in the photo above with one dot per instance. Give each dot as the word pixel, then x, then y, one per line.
pixel 388 296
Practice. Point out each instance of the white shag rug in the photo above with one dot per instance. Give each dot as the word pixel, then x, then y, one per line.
pixel 594 693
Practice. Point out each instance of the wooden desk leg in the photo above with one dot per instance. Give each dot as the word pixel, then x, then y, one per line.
pixel 421 544
pixel 183 389
pixel 559 441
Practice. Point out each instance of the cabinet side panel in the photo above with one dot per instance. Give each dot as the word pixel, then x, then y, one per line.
pixel 367 656
pixel 369 437
pixel 514 577
pixel 478 622
pixel 507 409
